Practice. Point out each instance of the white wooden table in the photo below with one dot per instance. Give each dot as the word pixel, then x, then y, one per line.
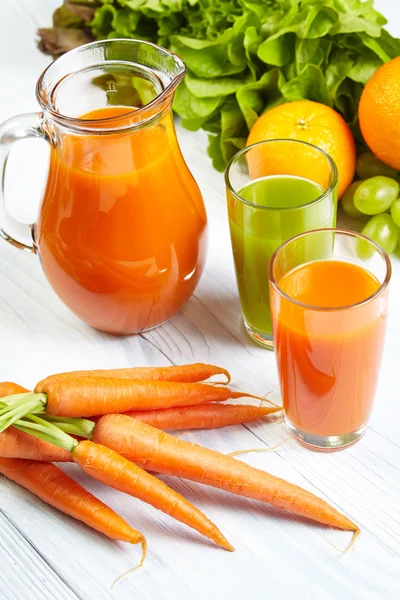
pixel 46 555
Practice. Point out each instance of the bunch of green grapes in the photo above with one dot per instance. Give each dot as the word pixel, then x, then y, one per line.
pixel 376 194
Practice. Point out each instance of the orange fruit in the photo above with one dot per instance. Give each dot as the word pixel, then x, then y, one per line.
pixel 379 113
pixel 317 124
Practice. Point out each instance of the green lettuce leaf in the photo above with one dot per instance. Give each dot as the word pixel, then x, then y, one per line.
pixel 188 106
pixel 244 56
pixel 254 98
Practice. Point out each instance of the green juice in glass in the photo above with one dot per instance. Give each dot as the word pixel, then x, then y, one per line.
pixel 270 211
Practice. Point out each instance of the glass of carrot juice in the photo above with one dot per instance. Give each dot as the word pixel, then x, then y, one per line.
pixel 329 303
pixel 276 189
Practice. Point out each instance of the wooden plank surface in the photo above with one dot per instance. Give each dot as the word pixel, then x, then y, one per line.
pixel 24 573
pixel 277 557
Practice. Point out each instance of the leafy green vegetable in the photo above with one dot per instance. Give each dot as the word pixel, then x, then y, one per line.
pixel 245 56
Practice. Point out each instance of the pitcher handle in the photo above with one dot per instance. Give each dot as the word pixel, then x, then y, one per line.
pixel 14 129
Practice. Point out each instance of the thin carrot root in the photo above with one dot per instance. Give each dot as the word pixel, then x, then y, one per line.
pixel 144 553
pixel 353 540
pixel 239 452
pixel 266 399
pixel 188 434
pixel 279 420
pixel 349 546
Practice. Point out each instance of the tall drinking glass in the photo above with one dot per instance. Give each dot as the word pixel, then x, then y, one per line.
pixel 275 190
pixel 329 303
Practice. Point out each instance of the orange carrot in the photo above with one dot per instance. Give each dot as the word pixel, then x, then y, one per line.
pixel 17 444
pixel 184 373
pixel 163 453
pixel 107 466
pixel 202 416
pixel 7 388
pixel 53 486
pixel 92 396
pixel 157 451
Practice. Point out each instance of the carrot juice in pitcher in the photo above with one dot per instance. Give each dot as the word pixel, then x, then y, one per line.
pixel 121 231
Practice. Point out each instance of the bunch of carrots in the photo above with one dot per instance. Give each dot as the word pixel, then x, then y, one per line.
pixel 130 410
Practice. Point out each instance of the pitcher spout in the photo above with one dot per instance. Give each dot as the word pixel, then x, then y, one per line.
pixel 171 67
pixel 135 74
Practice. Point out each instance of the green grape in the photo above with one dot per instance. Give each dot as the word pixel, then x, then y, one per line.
pixel 348 200
pixel 395 212
pixel 382 230
pixel 375 195
pixel 368 165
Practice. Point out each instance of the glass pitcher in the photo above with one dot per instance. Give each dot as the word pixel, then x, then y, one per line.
pixel 121 231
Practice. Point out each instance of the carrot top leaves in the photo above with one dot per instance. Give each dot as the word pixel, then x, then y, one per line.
pixel 18 405
pixel 50 429
pixel 83 428
pixel 49 432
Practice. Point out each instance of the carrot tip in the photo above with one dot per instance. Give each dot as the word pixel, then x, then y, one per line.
pixel 266 399
pixel 222 542
pixel 228 376
pixel 353 540
pixel 188 434
pixel 143 543
pixel 279 420
pixel 238 452
pixel 221 371
pixel 216 383
pixel 354 537
pixel 260 398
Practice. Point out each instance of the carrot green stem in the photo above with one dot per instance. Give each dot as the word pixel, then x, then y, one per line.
pixel 21 410
pixel 18 405
pixel 11 400
pixel 72 425
pixel 49 432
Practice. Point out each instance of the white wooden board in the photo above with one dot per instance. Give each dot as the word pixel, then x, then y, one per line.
pixel 46 555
